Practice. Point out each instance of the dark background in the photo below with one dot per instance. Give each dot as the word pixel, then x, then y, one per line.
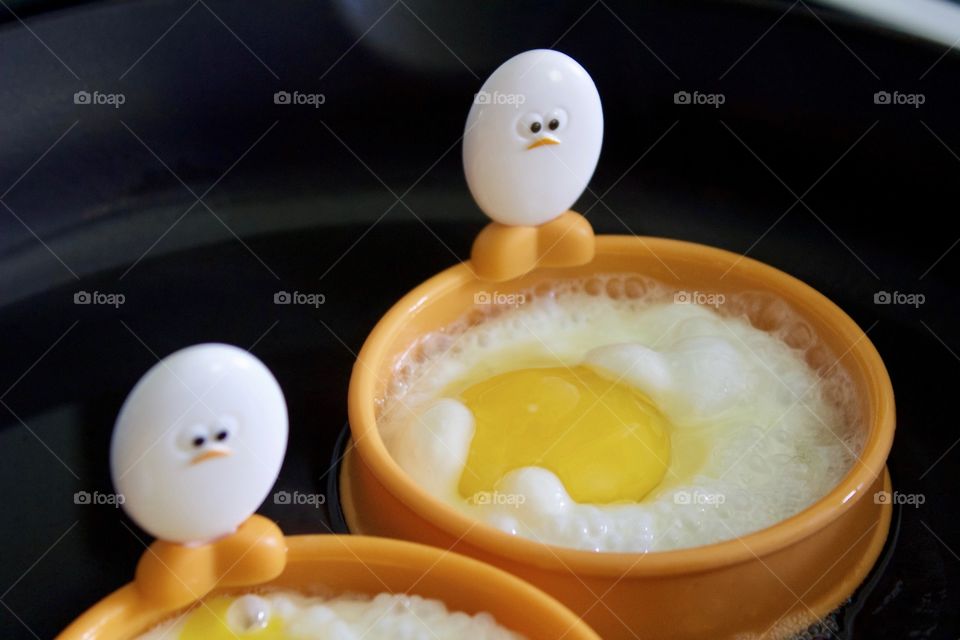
pixel 199 198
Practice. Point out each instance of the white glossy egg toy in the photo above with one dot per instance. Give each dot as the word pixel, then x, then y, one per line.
pixel 199 442
pixel 532 138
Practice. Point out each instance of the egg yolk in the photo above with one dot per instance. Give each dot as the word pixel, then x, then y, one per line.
pixel 209 622
pixel 605 440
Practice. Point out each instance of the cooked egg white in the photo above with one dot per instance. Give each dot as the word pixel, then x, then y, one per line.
pixel 610 418
pixel 287 615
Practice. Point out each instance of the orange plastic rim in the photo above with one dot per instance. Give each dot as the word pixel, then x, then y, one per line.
pixel 361 564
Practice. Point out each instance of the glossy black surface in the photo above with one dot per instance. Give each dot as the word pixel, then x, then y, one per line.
pixel 303 199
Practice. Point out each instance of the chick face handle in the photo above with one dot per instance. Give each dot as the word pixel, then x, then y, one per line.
pixel 530 146
pixel 198 443
pixel 196 448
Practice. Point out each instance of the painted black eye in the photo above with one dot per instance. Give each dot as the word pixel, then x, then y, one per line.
pixel 222 435
pixel 535 127
pixel 198 441
pixel 554 124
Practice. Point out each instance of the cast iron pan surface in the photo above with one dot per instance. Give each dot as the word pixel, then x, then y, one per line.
pixel 198 199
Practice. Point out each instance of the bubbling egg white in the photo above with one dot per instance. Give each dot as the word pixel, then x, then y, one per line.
pixel 756 434
pixel 289 615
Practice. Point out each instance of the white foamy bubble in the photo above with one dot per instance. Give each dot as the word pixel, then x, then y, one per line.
pixel 432 446
pixel 537 489
pixel 710 374
pixel 697 377
pixel 634 364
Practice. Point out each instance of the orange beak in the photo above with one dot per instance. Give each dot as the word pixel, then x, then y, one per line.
pixel 545 140
pixel 210 454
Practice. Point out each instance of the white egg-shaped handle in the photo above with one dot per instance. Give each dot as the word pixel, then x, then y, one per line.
pixel 532 138
pixel 199 442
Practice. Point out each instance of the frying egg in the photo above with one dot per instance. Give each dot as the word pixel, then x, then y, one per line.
pixel 619 423
pixel 288 615
pixel 226 618
pixel 606 441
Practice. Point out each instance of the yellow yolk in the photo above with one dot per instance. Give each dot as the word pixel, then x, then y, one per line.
pixel 208 621
pixel 605 440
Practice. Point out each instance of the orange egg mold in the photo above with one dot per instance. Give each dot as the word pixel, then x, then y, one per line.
pixel 767 584
pixel 351 564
